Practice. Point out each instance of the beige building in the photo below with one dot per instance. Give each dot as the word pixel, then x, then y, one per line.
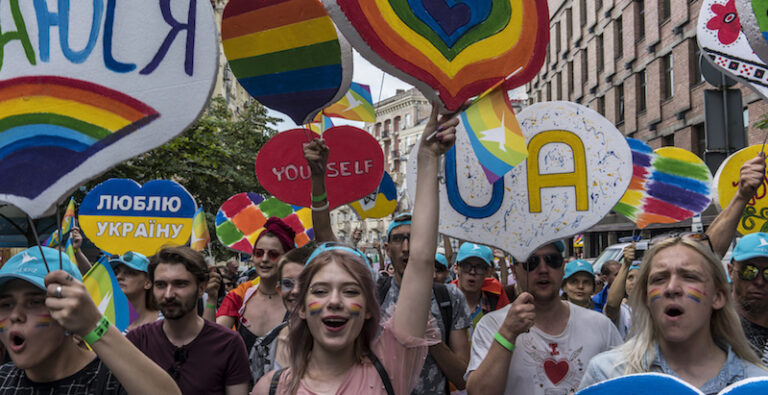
pixel 226 83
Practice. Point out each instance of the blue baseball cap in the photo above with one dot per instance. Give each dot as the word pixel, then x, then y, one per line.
pixel 29 266
pixel 132 259
pixel 470 250
pixel 399 220
pixel 754 245
pixel 441 258
pixel 634 266
pixel 578 265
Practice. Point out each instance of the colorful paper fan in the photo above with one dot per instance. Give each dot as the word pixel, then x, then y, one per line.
pixel 241 219
pixel 668 185
pixel 287 55
pixel 53 124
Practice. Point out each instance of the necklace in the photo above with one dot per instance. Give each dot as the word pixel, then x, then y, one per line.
pixel 266 294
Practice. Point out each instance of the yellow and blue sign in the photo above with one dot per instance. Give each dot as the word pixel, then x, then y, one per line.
pixel 120 215
pixel 380 203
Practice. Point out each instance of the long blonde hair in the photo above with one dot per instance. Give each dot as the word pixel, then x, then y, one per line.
pixel 725 326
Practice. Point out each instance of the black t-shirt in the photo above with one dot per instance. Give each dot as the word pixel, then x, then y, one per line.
pixel 94 379
pixel 758 336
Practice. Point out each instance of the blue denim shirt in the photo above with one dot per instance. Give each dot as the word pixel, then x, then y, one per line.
pixel 611 364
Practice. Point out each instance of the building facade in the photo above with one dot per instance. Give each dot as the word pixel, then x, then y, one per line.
pixel 636 62
pixel 226 83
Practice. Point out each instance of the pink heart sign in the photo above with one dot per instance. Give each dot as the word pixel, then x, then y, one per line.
pixel 355 166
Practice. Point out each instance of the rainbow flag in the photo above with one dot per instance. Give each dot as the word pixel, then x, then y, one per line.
pixel 320 127
pixel 495 134
pixel 200 235
pixel 102 285
pixel 356 105
pixel 69 248
pixel 67 223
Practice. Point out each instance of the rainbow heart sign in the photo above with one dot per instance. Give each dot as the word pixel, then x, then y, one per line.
pixel 450 50
pixel 755 216
pixel 120 215
pixel 287 55
pixel 355 166
pixel 87 85
pixel 659 383
pixel 668 185
pixel 577 168
pixel 721 38
pixel 241 219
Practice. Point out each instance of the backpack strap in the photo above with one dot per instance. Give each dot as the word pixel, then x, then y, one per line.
pixel 275 381
pixel 272 335
pixel 382 374
pixel 443 299
pixel 382 287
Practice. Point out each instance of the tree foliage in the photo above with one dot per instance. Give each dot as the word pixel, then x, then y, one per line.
pixel 213 159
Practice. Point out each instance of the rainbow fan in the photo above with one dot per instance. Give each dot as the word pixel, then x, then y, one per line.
pixel 241 219
pixel 50 125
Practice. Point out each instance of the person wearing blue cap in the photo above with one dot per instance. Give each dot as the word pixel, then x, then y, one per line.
pixel 579 283
pixel 617 307
pixel 131 274
pixel 749 274
pixel 442 274
pixel 484 293
pixel 39 314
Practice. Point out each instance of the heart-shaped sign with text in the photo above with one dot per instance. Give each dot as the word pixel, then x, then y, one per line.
pixel 578 167
pixel 85 89
pixel 355 166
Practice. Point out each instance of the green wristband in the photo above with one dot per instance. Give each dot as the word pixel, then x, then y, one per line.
pixel 320 198
pixel 504 342
pixel 96 334
pixel 210 306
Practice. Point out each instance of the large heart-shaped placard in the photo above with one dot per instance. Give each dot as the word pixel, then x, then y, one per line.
pixel 85 88
pixel 287 54
pixel 355 166
pixel 578 167
pixel 450 50
pixel 668 185
pixel 755 215
pixel 119 215
pixel 721 39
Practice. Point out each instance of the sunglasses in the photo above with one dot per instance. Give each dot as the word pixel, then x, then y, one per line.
pixel 750 272
pixel 179 357
pixel 287 284
pixel 555 261
pixel 272 254
pixel 467 267
pixel 694 236
pixel 398 238
pixel 332 245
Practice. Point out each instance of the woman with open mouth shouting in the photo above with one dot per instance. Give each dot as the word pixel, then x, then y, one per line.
pixel 337 344
pixel 683 322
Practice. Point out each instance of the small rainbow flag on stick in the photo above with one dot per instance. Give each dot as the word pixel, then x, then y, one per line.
pixel 69 248
pixel 200 235
pixel 324 124
pixel 356 105
pixel 102 285
pixel 67 223
pixel 495 134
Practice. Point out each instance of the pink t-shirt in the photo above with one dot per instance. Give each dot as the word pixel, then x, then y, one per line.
pixel 402 357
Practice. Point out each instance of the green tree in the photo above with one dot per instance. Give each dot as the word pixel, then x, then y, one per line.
pixel 213 159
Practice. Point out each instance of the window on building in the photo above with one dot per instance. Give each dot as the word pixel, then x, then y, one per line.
pixel 557 38
pixel 584 67
pixel 396 124
pixel 600 62
pixel 549 91
pixel 668 140
pixel 583 13
pixel 666 9
pixel 745 117
pixel 598 6
pixel 618 39
pixel 642 93
pixel 699 140
pixel 570 79
pixel 601 105
pixel 620 103
pixel 568 24
pixel 640 19
pixel 559 86
pixel 669 75
pixel 407 123
pixel 387 125
pixel 377 128
pixel 696 75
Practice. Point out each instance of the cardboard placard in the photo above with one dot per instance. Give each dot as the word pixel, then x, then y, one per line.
pixel 450 51
pixel 578 167
pixel 753 16
pixel 88 86
pixel 120 215
pixel 658 383
pixel 755 216
pixel 355 166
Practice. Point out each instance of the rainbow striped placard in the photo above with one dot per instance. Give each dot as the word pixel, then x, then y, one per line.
pixel 668 185
pixel 241 219
pixel 286 54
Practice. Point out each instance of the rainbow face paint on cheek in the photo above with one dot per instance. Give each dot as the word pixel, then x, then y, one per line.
pixel 355 309
pixel 654 295
pixel 3 325
pixel 315 308
pixel 694 294
pixel 43 320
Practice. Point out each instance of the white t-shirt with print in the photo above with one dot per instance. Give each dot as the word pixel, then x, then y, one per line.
pixel 544 364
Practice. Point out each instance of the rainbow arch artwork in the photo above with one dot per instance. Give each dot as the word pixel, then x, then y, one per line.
pixel 54 123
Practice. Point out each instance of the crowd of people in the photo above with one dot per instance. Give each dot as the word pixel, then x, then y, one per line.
pixel 319 319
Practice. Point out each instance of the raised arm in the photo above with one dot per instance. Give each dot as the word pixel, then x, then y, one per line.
pixel 413 304
pixel 723 229
pixel 616 293
pixel 316 153
pixel 83 264
pixel 76 312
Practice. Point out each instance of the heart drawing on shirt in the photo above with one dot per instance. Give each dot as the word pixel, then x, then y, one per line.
pixel 556 370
